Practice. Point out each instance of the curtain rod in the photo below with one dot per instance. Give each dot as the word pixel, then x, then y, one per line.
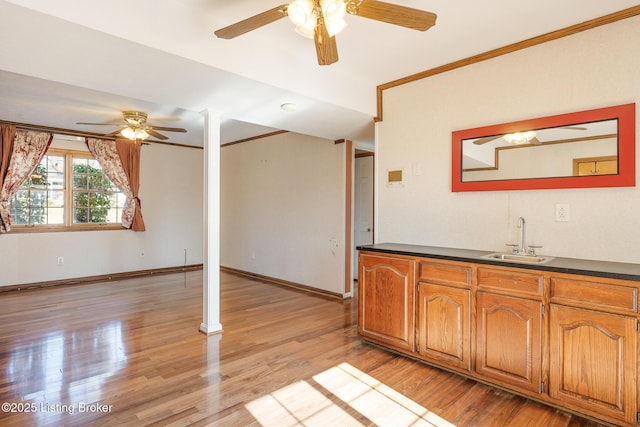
pixel 27 126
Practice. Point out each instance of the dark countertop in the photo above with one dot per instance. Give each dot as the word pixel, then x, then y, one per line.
pixel 613 270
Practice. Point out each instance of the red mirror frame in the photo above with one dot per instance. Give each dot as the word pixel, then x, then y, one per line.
pixel 626 177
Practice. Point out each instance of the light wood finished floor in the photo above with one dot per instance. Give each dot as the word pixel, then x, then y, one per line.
pixel 131 348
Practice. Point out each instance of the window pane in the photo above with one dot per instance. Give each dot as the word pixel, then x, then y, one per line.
pixel 114 215
pixel 38 198
pixel 55 215
pixel 55 209
pixel 79 181
pixel 80 215
pixel 80 200
pixel 56 180
pixel 98 215
pixel 120 200
pixel 97 207
pixel 96 181
pixel 56 198
pixel 30 206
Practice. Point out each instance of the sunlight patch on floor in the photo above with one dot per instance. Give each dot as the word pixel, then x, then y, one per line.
pixel 299 404
pixel 303 404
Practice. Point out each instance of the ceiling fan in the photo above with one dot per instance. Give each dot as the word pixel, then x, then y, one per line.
pixel 321 20
pixel 135 127
pixel 518 138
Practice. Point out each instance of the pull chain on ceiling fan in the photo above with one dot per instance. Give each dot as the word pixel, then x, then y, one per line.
pixel 321 20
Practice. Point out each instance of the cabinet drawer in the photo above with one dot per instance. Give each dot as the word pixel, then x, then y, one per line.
pixel 596 295
pixel 445 274
pixel 514 282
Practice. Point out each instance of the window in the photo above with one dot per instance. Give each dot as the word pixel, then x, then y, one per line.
pixel 67 190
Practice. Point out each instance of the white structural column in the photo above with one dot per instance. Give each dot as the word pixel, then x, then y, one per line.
pixel 211 271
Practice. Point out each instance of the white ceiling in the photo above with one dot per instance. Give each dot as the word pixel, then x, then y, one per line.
pixel 69 61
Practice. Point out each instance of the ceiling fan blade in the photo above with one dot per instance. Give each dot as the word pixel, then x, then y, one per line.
pixel 100 124
pixel 114 133
pixel 155 134
pixel 250 24
pixel 395 14
pixel 573 128
pixel 486 139
pixel 326 47
pixel 168 129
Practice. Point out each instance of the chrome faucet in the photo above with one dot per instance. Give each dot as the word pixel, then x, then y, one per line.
pixel 523 245
pixel 522 248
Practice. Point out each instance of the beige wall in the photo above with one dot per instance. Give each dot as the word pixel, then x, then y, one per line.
pixel 592 69
pixel 282 209
pixel 171 195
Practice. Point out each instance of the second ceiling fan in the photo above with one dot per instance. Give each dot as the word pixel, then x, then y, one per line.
pixel 321 20
pixel 135 127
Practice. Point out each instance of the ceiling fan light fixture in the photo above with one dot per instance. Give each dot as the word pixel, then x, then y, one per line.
pixel 306 31
pixel 301 12
pixel 304 15
pixel 334 12
pixel 134 133
pixel 518 138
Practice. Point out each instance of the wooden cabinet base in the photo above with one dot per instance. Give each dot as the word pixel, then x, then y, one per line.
pixel 593 362
pixel 568 341
pixel 444 326
pixel 509 340
pixel 386 292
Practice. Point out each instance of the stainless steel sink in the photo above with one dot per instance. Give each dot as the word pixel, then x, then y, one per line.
pixel 524 259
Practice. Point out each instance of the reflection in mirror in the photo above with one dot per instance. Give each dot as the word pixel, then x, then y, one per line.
pixel 576 150
pixel 593 148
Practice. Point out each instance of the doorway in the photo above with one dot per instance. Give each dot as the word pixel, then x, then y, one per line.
pixel 362 203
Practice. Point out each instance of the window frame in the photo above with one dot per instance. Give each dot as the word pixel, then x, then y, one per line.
pixel 68 224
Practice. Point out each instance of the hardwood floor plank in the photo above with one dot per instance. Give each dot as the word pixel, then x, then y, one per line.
pixel 285 357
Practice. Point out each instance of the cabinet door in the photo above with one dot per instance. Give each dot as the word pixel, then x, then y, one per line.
pixel 444 324
pixel 386 300
pixel 508 341
pixel 593 361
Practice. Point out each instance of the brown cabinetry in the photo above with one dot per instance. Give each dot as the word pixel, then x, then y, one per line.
pixel 592 342
pixel 509 314
pixel 386 306
pixel 444 325
pixel 563 339
pixel 509 340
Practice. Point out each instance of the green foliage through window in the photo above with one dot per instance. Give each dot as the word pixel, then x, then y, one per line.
pixel 29 205
pixel 92 194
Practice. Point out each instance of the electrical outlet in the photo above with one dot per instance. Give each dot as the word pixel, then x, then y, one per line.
pixel 60 260
pixel 562 212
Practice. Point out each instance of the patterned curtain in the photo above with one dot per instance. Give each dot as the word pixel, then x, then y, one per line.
pixel 129 154
pixel 120 161
pixel 28 149
pixel 7 134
